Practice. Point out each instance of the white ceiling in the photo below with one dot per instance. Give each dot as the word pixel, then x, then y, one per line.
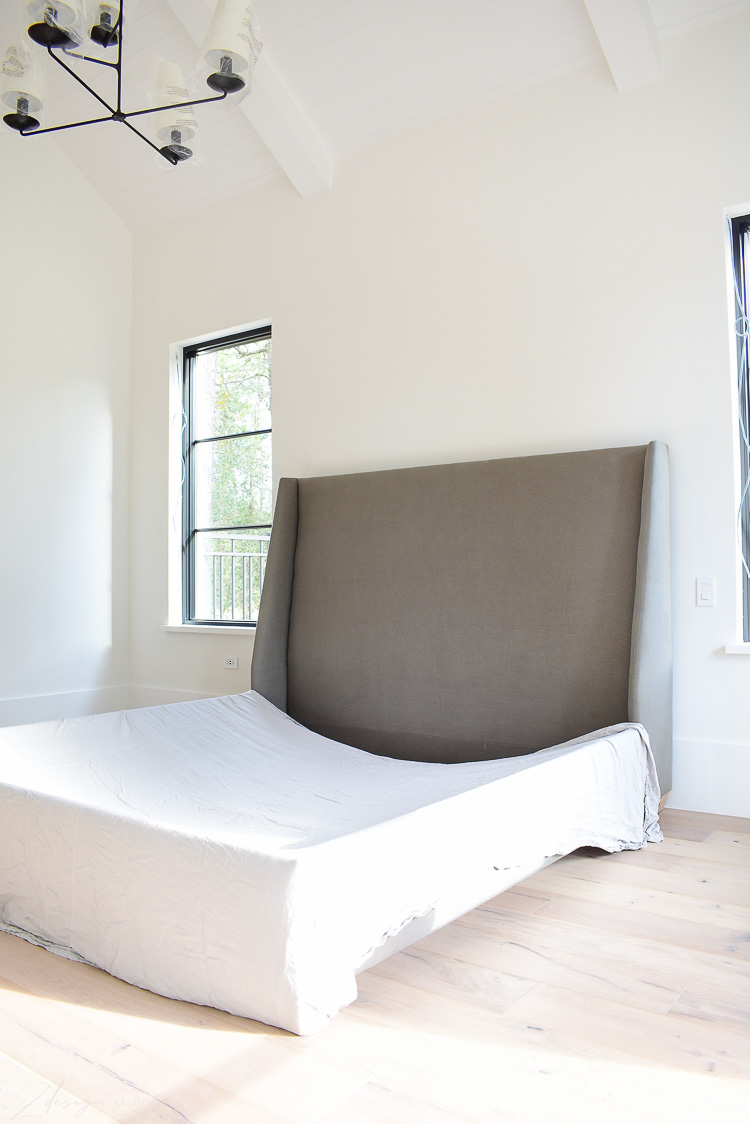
pixel 336 74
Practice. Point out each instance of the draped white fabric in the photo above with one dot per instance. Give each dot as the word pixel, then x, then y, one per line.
pixel 218 852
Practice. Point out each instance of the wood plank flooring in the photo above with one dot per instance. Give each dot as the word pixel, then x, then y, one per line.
pixel 607 988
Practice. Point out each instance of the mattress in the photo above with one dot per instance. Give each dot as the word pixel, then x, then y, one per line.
pixel 218 852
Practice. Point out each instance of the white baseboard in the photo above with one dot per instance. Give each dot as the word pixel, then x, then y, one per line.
pixel 711 777
pixel 77 704
pixel 157 696
pixel 68 704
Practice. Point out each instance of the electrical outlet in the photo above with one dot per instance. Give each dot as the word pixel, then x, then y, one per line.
pixel 231 663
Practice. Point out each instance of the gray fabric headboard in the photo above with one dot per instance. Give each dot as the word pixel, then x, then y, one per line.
pixel 471 611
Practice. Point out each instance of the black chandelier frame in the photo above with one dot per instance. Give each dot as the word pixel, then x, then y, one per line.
pixel 54 38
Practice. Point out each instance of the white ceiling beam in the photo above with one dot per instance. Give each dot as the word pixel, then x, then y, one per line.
pixel 629 39
pixel 286 131
pixel 277 118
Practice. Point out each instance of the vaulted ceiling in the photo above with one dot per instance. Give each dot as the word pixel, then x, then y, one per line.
pixel 337 74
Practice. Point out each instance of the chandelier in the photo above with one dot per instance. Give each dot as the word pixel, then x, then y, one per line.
pixel 67 28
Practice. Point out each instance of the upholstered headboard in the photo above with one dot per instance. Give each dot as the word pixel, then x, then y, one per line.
pixel 470 611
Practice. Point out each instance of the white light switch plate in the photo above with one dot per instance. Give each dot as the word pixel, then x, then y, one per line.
pixel 705 592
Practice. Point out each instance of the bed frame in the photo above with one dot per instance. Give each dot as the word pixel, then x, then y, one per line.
pixel 473 611
pixel 217 852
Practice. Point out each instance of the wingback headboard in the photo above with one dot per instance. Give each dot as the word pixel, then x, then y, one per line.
pixel 470 611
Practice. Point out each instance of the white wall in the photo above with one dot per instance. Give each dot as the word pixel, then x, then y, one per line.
pixel 65 289
pixel 544 272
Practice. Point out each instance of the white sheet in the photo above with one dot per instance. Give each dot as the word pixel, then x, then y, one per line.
pixel 218 852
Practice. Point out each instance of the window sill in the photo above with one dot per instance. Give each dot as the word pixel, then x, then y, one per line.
pixel 210 629
pixel 737 649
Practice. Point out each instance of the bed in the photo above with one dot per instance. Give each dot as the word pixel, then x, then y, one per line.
pixel 460 673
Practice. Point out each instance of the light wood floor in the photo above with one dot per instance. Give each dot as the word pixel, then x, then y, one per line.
pixel 606 988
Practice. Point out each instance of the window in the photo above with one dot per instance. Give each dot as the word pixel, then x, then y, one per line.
pixel 740 229
pixel 227 481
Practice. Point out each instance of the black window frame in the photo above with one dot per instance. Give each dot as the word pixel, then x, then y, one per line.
pixel 740 239
pixel 189 443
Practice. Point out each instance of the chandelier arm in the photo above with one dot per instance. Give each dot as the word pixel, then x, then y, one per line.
pixel 143 138
pixel 81 82
pixel 176 105
pixel 88 58
pixel 59 128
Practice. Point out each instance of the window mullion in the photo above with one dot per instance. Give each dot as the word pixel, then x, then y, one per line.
pixel 230 436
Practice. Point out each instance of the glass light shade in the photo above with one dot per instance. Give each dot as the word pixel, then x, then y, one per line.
pixel 66 12
pixel 19 78
pixel 170 88
pixel 231 34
